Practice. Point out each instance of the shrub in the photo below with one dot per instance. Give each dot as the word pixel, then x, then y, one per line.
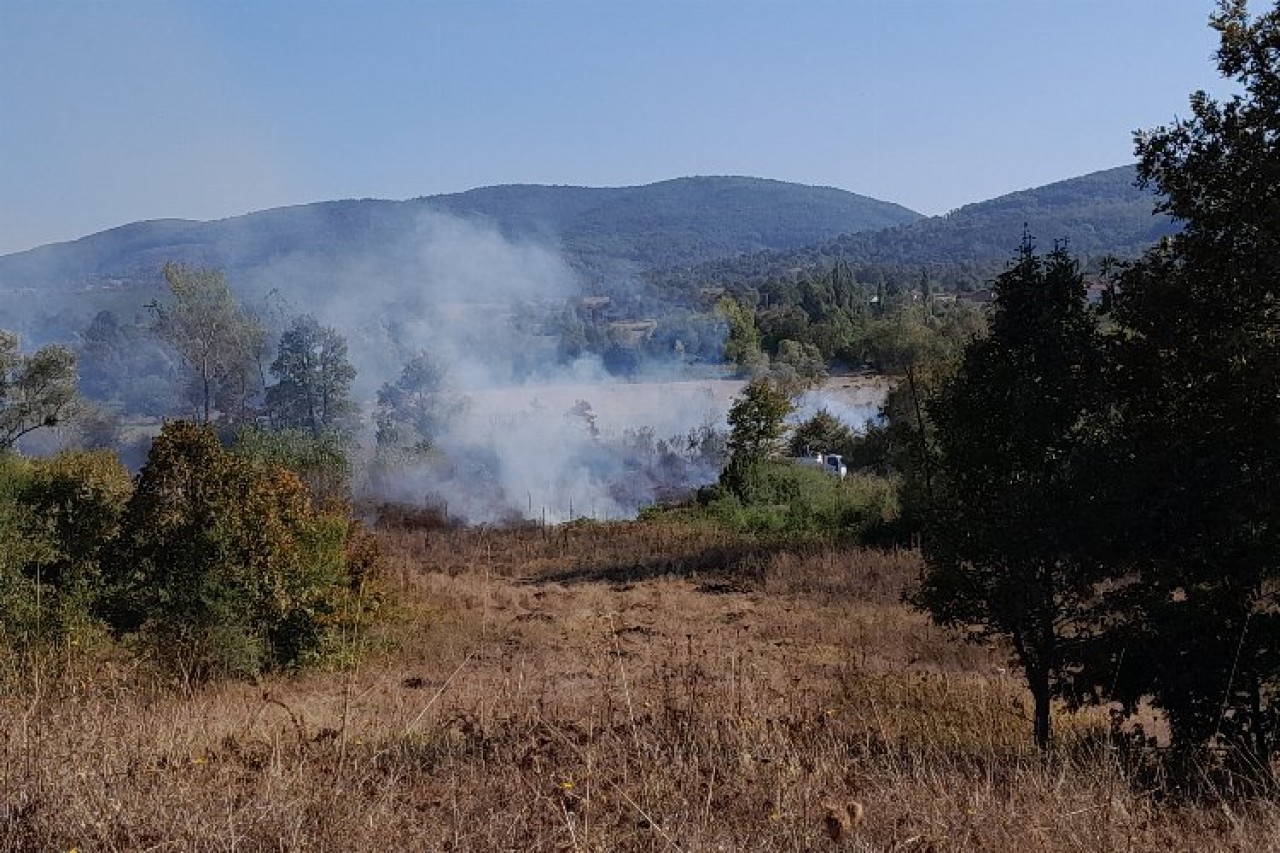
pixel 223 566
pixel 56 516
pixel 785 499
pixel 319 461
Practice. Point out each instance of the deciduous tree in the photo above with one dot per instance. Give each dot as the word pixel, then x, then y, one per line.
pixel 221 564
pixel 413 410
pixel 217 340
pixel 757 424
pixel 314 388
pixel 1200 456
pixel 37 390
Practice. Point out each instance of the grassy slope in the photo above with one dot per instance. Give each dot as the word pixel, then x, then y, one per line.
pixel 604 687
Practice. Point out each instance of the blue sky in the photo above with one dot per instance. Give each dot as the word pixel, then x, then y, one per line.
pixel 112 112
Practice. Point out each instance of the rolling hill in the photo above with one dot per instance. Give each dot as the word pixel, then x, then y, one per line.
pixel 602 232
pixel 1100 214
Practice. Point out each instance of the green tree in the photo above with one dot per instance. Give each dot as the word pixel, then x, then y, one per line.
pixel 1013 448
pixel 757 424
pixel 822 433
pixel 124 365
pixel 742 346
pixel 314 388
pixel 1200 407
pixel 37 390
pixel 217 340
pixel 417 407
pixel 76 498
pixel 799 366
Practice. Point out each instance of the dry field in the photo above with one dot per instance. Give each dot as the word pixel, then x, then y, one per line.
pixel 595 687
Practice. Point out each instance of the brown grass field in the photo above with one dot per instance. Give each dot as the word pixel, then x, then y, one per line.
pixel 626 686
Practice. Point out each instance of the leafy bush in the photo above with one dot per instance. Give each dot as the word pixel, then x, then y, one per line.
pixel 786 499
pixel 223 566
pixel 320 461
pixel 56 515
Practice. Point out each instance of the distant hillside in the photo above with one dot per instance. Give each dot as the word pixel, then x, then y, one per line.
pixel 1098 214
pixel 601 232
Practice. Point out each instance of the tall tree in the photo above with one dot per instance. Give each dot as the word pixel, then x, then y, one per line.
pixel 1003 546
pixel 216 339
pixel 37 390
pixel 314 388
pixel 1201 411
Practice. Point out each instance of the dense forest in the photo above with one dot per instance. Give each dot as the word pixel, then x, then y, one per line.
pixel 1104 214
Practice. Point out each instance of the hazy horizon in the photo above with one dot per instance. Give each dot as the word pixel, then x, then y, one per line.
pixel 142 110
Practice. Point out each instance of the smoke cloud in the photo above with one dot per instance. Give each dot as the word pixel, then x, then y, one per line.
pixel 536 436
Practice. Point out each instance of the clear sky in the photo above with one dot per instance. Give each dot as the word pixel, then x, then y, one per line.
pixel 112 112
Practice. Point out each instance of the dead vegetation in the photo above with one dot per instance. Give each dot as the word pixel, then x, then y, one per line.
pixel 592 687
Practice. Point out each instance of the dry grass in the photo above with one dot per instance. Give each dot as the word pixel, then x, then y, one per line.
pixel 602 687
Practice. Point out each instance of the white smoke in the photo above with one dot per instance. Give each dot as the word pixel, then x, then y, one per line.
pixel 537 437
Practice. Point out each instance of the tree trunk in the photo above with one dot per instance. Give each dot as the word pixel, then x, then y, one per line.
pixel 1261 731
pixel 1039 683
pixel 924 444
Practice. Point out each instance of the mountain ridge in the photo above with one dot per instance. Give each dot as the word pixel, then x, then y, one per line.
pixel 680 220
pixel 1099 214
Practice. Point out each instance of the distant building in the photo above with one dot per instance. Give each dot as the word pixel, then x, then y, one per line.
pixel 632 332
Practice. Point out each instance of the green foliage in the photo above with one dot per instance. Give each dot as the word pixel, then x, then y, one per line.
pixel 799 366
pixel 314 388
pixel 321 462
pixel 76 499
pixel 742 346
pixel 222 567
pixel 1005 547
pixel 1201 397
pixel 757 423
pixel 822 433
pixel 417 407
pixel 37 390
pixel 124 365
pixel 788 500
pixel 21 616
pixel 56 515
pixel 219 343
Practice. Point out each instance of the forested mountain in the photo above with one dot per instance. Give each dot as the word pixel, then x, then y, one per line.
pixel 600 231
pixel 1099 214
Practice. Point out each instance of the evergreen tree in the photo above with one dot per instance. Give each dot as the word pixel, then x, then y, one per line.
pixel 1004 543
